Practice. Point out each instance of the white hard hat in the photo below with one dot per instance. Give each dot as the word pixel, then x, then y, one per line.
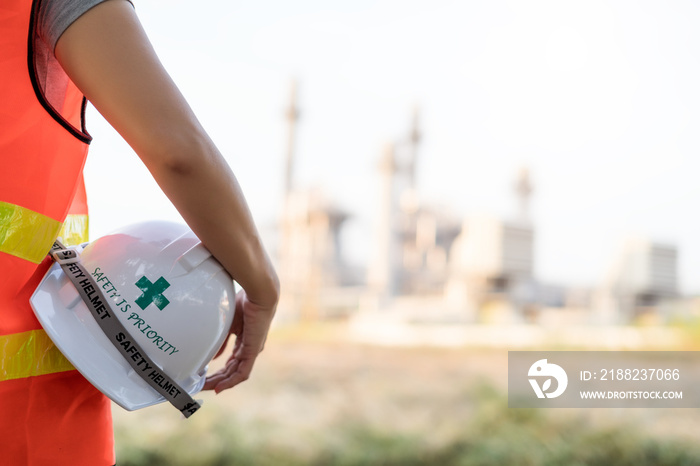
pixel 172 297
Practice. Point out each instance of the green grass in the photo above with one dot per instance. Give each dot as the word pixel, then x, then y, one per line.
pixel 493 435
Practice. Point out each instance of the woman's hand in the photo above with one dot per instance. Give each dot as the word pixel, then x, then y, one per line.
pixel 251 322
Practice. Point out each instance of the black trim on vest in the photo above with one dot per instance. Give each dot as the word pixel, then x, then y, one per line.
pixel 82 133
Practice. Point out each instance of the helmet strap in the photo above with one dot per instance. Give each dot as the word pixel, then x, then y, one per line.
pixel 100 309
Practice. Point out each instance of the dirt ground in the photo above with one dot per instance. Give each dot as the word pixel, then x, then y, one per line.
pixel 309 381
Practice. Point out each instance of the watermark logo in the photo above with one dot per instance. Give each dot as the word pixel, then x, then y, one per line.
pixel 543 370
pixel 152 293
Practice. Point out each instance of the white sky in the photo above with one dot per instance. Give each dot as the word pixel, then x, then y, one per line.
pixel 599 99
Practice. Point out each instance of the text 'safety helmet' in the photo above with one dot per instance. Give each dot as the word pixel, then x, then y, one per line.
pixel 174 299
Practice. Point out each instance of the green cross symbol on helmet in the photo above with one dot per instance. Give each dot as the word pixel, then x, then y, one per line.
pixel 152 293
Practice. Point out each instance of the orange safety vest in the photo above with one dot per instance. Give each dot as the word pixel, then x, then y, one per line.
pixel 49 413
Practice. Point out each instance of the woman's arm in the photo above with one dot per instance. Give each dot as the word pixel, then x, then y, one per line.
pixel 108 56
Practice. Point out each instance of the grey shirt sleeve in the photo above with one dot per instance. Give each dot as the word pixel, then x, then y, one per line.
pixel 56 15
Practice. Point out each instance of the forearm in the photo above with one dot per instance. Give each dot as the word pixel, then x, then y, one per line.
pixel 208 196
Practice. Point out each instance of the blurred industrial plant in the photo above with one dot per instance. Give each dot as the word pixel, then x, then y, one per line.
pixel 428 266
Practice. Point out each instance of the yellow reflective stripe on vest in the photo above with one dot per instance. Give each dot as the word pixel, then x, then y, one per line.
pixel 25 233
pixel 74 230
pixel 29 354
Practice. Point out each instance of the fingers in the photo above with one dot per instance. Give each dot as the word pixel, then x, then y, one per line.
pixel 251 329
pixel 228 371
pixel 214 379
pixel 235 372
